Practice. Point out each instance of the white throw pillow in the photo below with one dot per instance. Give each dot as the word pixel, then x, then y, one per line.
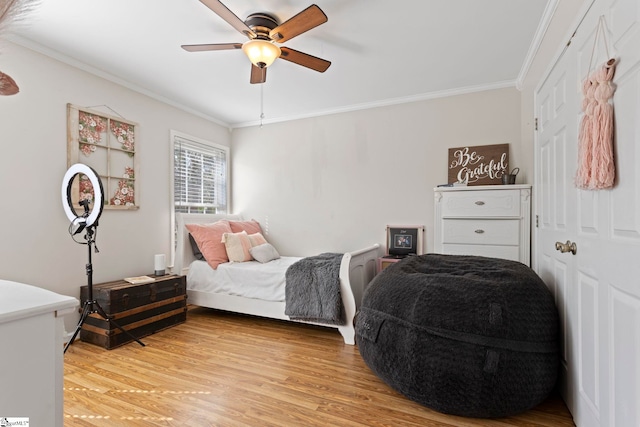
pixel 237 246
pixel 264 253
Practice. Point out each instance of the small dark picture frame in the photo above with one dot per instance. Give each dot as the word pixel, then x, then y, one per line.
pixel 404 240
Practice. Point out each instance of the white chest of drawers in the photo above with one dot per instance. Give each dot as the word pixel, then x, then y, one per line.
pixel 32 363
pixel 487 220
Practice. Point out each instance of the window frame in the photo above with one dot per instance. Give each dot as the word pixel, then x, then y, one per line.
pixel 105 148
pixel 173 136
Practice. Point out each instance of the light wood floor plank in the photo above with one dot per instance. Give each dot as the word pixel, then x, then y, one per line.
pixel 223 369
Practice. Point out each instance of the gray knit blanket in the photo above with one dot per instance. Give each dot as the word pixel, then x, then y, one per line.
pixel 312 290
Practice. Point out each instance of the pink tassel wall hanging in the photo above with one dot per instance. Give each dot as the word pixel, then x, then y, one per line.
pixel 596 165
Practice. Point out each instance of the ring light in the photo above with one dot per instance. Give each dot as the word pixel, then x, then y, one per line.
pixel 88 219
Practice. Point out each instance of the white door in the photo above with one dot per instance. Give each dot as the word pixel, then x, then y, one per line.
pixel 555 209
pixel 598 289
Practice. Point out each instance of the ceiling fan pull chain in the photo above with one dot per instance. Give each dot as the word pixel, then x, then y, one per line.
pixel 261 104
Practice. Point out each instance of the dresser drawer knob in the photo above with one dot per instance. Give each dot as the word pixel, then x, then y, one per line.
pixel 479 231
pixel 479 203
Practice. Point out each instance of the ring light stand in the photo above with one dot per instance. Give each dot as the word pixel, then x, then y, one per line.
pixel 88 221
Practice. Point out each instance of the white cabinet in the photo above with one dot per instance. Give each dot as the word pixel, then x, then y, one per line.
pixel 31 365
pixel 486 220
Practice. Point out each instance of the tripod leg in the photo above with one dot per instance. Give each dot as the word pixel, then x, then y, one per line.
pixel 86 310
pixel 91 305
pixel 108 318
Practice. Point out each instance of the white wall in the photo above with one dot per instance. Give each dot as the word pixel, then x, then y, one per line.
pixel 35 247
pixel 335 182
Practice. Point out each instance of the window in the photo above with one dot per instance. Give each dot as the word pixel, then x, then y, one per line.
pixel 108 145
pixel 200 177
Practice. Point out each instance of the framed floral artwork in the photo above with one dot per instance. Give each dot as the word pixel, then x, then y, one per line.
pixel 108 145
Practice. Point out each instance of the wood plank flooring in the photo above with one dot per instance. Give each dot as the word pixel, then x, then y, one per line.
pixel 224 369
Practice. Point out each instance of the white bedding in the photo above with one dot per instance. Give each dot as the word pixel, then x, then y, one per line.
pixel 247 279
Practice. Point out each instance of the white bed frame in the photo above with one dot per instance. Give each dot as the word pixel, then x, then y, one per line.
pixel 356 271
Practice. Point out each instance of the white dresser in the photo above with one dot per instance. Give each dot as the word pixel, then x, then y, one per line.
pixel 485 220
pixel 31 365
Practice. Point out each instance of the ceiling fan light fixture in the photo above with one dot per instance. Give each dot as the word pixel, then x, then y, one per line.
pixel 261 53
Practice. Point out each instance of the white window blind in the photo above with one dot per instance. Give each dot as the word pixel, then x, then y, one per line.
pixel 200 176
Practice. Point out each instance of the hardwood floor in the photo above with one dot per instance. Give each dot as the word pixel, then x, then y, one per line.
pixel 223 369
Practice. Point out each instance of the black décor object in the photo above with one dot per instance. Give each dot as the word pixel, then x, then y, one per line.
pixel 463 335
pixel 402 241
pixel 197 253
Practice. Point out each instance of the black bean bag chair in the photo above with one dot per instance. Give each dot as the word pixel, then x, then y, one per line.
pixel 463 335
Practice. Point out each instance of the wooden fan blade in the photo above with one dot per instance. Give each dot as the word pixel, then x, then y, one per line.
pixel 309 18
pixel 8 86
pixel 223 12
pixel 306 60
pixel 216 46
pixel 258 75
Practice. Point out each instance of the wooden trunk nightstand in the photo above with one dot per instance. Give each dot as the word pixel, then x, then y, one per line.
pixel 141 309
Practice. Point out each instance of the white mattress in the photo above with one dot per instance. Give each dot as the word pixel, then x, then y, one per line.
pixel 247 279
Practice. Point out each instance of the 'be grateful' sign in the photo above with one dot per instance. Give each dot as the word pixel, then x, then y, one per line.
pixel 480 165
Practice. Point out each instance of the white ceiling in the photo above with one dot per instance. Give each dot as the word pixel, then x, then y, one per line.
pixel 382 52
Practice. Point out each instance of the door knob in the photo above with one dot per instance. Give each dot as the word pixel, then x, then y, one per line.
pixel 567 247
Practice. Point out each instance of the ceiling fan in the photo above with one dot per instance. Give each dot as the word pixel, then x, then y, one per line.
pixel 264 31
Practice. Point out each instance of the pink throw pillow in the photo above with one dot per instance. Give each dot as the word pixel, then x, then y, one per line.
pixel 209 239
pixel 251 227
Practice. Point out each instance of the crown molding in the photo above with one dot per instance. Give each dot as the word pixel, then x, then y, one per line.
pixel 31 45
pixel 541 31
pixel 381 103
pixel 26 43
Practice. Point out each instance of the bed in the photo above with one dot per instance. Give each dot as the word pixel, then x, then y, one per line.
pixel 356 270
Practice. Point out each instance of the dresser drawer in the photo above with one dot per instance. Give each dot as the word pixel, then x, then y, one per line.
pixel 504 203
pixel 481 231
pixel 492 251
